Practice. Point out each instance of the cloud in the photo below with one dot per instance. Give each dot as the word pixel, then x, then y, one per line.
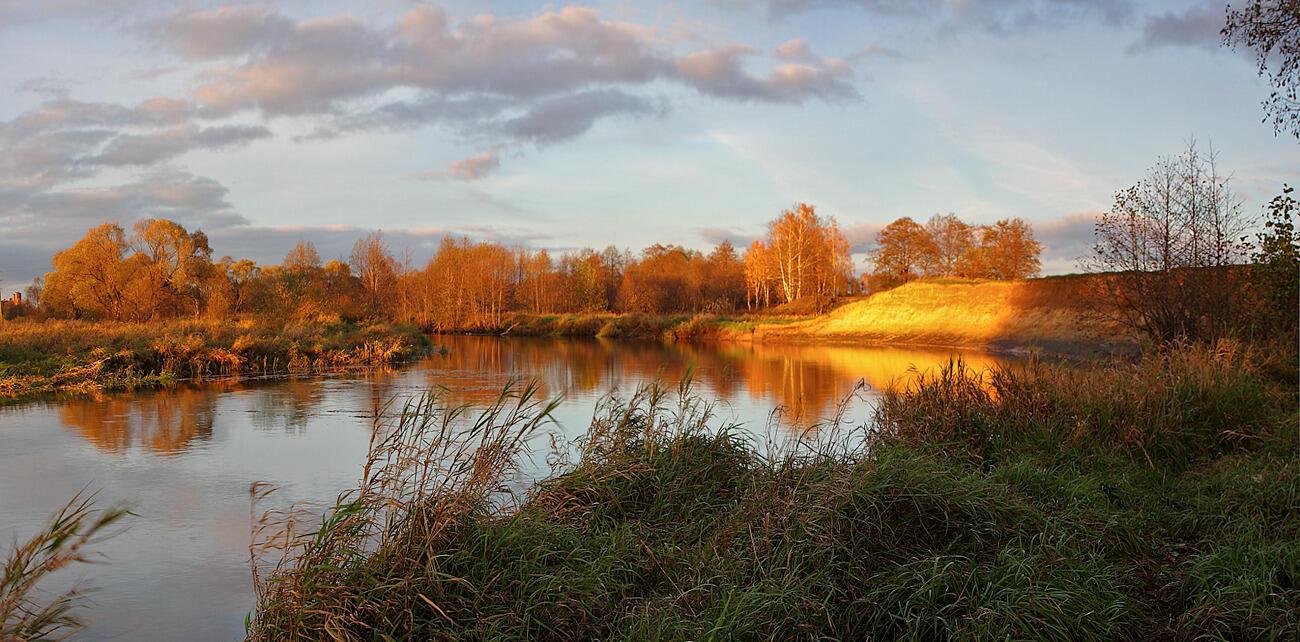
pixel 36 224
pixel 1000 17
pixel 739 238
pixel 470 168
pixel 565 117
pixel 720 72
pixel 1196 26
pixel 151 148
pixel 221 32
pixel 1065 240
pixel 263 61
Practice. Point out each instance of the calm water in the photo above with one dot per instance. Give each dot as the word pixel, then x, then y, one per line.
pixel 183 459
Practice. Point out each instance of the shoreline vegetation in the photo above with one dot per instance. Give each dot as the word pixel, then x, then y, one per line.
pixel 67 356
pixel 1149 499
pixel 80 357
pixel 1050 315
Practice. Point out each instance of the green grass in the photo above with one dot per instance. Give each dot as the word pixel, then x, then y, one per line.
pixel 1149 500
pixel 47 356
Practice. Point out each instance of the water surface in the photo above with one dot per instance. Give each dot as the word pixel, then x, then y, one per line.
pixel 183 459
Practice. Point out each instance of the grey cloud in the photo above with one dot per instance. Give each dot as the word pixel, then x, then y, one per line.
pixel 151 148
pixel 1001 17
pixel 263 61
pixel 1196 26
pixel 38 223
pixel 720 72
pixel 739 238
pixel 1065 240
pixel 221 32
pixel 565 117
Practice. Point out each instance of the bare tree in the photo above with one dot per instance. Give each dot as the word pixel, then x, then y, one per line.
pixel 1168 246
pixel 376 268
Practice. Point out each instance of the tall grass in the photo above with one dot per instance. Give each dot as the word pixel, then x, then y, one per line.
pixel 1157 499
pixel 26 613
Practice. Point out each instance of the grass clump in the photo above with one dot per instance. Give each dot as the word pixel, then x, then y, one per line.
pixel 1156 499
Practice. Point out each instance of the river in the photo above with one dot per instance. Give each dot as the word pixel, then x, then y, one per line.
pixel 183 459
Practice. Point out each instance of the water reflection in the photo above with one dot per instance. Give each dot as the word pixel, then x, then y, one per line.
pixel 165 423
pixel 806 381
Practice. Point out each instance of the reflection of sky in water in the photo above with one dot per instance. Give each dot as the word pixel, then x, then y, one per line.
pixel 184 458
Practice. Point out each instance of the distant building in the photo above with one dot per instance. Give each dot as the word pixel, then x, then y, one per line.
pixel 12 307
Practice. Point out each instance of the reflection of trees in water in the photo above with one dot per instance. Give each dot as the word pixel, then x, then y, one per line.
pixel 165 422
pixel 808 381
pixel 286 406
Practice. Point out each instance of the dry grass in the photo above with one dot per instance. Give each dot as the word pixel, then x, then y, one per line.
pixel 47 356
pixel 26 614
pixel 954 312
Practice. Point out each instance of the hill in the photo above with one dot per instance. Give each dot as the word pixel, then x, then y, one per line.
pixel 1052 313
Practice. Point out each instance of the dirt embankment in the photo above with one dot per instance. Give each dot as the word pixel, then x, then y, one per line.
pixel 1052 313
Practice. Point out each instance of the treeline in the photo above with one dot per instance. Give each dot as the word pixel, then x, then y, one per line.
pixel 947 246
pixel 161 270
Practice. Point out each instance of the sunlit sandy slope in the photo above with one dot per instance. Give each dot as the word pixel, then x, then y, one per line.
pixel 1052 313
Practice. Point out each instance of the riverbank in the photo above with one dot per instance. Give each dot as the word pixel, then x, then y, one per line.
pixel 1052 314
pixel 1122 500
pixel 38 357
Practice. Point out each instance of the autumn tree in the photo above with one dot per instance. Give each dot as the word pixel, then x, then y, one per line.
pixel 808 254
pixel 176 268
pixel 1007 250
pixel 954 243
pixel 1271 29
pixel 90 279
pixel 723 279
pixel 760 275
pixel 668 278
pixel 376 268
pixel 905 251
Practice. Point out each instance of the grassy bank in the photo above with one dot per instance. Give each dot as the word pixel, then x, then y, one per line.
pixel 1149 500
pixel 669 327
pixel 52 356
pixel 1053 313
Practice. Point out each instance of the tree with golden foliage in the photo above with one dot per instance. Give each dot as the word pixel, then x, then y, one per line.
pixel 905 251
pixel 805 255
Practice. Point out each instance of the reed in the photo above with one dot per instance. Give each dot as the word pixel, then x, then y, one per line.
pixel 68 539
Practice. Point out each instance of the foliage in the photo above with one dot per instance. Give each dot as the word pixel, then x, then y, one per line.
pixel 1271 28
pixel 1277 264
pixel 1155 500
pixel 948 247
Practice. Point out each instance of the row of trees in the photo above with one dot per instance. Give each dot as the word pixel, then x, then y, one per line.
pixel 159 270
pixel 947 246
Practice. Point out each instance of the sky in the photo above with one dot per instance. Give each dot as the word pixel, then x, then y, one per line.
pixel 562 126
